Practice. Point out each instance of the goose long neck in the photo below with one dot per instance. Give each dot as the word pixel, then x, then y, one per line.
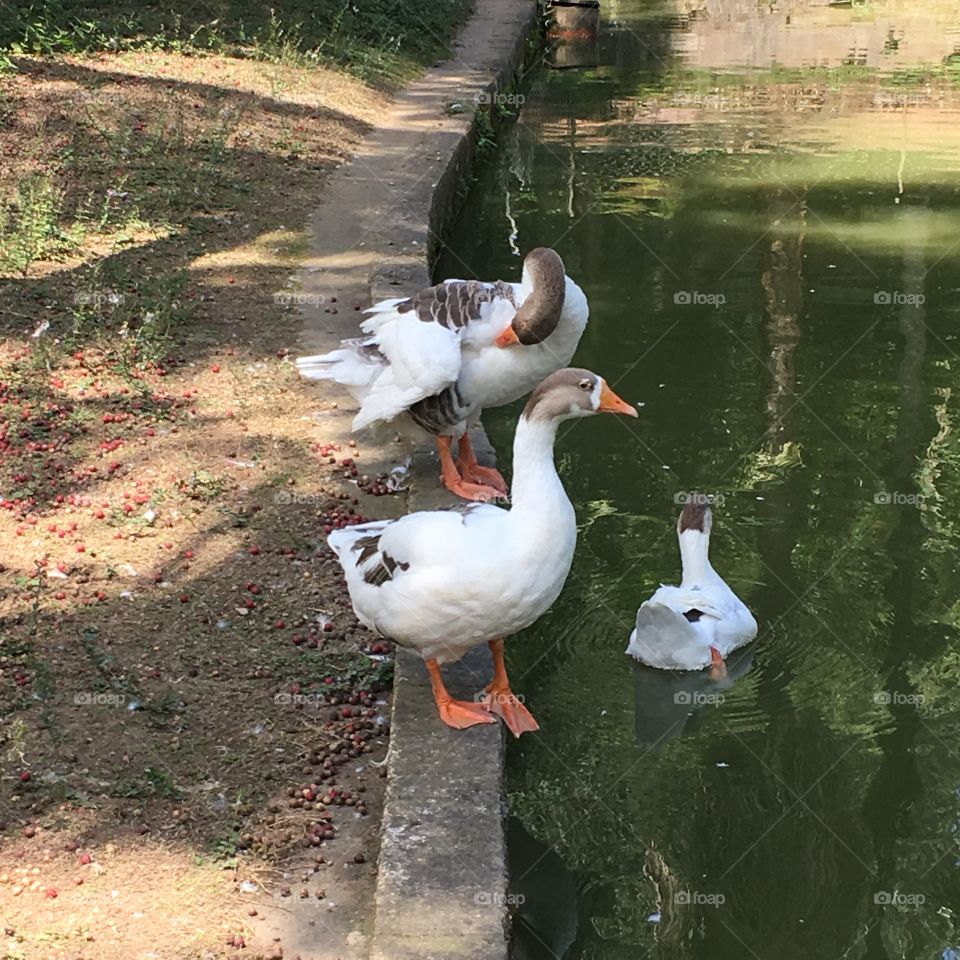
pixel 535 479
pixel 695 556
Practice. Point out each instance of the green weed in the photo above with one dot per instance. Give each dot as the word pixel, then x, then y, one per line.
pixel 381 41
pixel 30 227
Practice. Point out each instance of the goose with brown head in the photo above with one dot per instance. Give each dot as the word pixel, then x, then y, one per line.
pixel 441 582
pixel 695 515
pixel 434 361
pixel 539 314
pixel 700 622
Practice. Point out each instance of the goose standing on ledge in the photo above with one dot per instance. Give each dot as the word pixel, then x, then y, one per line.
pixel 699 623
pixel 440 357
pixel 443 581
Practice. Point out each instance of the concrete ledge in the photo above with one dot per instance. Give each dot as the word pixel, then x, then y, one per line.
pixel 442 883
pixel 442 879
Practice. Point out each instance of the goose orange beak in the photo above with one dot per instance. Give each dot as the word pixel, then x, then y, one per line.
pixel 507 338
pixel 611 403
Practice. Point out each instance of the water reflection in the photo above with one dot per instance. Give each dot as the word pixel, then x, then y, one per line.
pixel 669 704
pixel 812 206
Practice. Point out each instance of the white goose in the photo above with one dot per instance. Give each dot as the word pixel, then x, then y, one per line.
pixel 443 355
pixel 441 582
pixel 700 622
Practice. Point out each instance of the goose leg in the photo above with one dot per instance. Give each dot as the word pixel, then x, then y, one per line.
pixel 452 479
pixel 455 713
pixel 471 470
pixel 501 699
pixel 718 666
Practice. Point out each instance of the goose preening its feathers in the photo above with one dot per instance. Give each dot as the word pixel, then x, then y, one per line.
pixel 441 582
pixel 440 357
pixel 698 623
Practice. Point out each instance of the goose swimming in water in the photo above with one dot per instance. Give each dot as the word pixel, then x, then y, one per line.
pixel 439 358
pixel 443 581
pixel 699 623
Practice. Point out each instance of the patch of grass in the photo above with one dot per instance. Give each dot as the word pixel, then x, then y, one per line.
pixel 153 783
pixel 30 228
pixel 224 847
pixel 132 317
pixel 381 41
pixel 202 485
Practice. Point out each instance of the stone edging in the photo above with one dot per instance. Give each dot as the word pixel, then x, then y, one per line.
pixel 442 879
pixel 441 891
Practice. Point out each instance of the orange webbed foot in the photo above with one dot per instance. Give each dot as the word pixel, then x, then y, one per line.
pixel 461 714
pixel 471 470
pixel 718 666
pixel 453 479
pixel 485 476
pixel 504 703
pixel 458 714
pixel 472 491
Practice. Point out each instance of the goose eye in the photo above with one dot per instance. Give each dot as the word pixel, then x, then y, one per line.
pixel 585 385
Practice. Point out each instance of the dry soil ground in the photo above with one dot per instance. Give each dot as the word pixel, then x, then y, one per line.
pixel 190 717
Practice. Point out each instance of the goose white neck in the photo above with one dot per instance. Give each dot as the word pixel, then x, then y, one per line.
pixel 695 556
pixel 536 483
pixel 525 286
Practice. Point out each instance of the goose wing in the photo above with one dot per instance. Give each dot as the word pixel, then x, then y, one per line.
pixel 665 638
pixel 386 550
pixel 422 337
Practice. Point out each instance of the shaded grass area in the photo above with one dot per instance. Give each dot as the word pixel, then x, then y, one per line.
pixel 383 42
pixel 122 174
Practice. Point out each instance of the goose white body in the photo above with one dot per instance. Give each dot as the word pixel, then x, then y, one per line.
pixel 493 377
pixel 472 574
pixel 677 626
pixel 405 359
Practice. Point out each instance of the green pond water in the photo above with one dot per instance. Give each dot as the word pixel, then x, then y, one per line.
pixel 772 259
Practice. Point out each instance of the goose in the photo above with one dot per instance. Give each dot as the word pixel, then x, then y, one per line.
pixel 441 582
pixel 440 357
pixel 699 623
